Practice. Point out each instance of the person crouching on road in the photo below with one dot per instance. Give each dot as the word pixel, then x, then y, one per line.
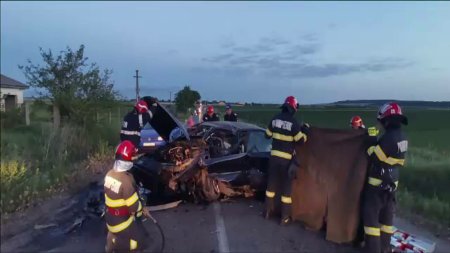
pixel 210 115
pixel 134 121
pixel 285 131
pixel 229 114
pixel 123 204
pixel 387 157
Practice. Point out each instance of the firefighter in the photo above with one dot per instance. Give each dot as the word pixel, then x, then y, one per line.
pixel 285 132
pixel 387 157
pixel 229 114
pixel 210 115
pixel 123 205
pixel 134 121
pixel 357 123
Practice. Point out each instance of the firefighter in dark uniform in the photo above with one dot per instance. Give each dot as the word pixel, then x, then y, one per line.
pixel 123 205
pixel 134 121
pixel 387 156
pixel 285 132
pixel 357 123
pixel 229 114
pixel 210 115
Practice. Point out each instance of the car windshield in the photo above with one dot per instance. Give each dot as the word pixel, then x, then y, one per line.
pixel 201 130
pixel 221 143
pixel 257 142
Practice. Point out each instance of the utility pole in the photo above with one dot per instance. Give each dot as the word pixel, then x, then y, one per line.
pixel 137 76
pixel 170 98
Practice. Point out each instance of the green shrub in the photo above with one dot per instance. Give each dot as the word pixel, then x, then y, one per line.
pixel 36 159
pixel 433 209
pixel 12 118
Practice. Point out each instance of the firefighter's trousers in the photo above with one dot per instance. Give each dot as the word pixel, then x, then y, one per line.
pixel 279 180
pixel 132 239
pixel 378 215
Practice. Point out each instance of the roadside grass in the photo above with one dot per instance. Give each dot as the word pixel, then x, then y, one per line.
pixel 37 160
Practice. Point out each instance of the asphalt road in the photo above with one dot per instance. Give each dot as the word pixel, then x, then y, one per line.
pixel 236 226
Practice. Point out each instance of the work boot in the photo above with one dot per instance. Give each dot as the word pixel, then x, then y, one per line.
pixel 285 221
pixel 385 240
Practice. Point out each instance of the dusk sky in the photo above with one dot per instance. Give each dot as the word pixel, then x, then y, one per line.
pixel 245 51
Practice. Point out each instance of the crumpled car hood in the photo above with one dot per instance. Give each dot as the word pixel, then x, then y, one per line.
pixel 164 123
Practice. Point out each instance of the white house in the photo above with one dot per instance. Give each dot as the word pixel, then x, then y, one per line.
pixel 11 93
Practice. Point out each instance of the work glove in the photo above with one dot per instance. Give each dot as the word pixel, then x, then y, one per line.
pixel 388 183
pixel 151 101
pixel 305 128
pixel 146 211
pixel 373 131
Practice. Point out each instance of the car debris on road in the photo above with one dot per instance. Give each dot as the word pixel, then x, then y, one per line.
pixel 402 241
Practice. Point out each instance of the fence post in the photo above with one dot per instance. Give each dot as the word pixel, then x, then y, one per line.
pixel 27 113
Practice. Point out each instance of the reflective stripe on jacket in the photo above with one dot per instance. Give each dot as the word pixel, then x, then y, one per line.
pixel 285 131
pixel 120 195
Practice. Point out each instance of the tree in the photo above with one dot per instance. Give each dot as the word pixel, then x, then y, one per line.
pixel 75 87
pixel 186 98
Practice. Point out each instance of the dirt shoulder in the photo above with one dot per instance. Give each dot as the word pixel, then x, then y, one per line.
pixel 21 227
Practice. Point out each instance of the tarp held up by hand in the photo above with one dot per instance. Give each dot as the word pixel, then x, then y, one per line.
pixel 330 180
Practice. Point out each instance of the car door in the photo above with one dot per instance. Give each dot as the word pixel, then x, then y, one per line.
pixel 232 160
pixel 258 150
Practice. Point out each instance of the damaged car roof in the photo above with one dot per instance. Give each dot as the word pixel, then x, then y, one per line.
pixel 232 126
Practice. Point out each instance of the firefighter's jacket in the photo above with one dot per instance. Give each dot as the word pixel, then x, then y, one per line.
pixel 387 157
pixel 121 200
pixel 285 130
pixel 230 117
pixel 213 117
pixel 132 125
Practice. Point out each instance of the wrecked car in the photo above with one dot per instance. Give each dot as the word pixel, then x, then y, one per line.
pixel 204 163
pixel 150 139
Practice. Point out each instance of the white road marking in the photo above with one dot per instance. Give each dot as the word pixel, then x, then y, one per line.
pixel 221 231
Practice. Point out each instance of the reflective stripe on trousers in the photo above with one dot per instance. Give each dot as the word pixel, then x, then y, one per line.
pixel 121 226
pixel 126 132
pixel 281 154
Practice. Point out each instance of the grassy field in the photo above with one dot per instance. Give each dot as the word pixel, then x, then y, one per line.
pixel 424 182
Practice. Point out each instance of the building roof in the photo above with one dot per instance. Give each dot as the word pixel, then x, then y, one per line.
pixel 7 82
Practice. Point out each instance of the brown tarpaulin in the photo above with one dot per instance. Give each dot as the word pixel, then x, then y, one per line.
pixel 333 165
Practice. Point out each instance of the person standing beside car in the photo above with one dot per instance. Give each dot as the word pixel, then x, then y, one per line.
pixel 229 114
pixel 134 121
pixel 210 115
pixel 285 131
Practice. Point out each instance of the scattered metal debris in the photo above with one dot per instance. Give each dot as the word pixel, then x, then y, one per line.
pixel 77 223
pixel 165 206
pixel 45 226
